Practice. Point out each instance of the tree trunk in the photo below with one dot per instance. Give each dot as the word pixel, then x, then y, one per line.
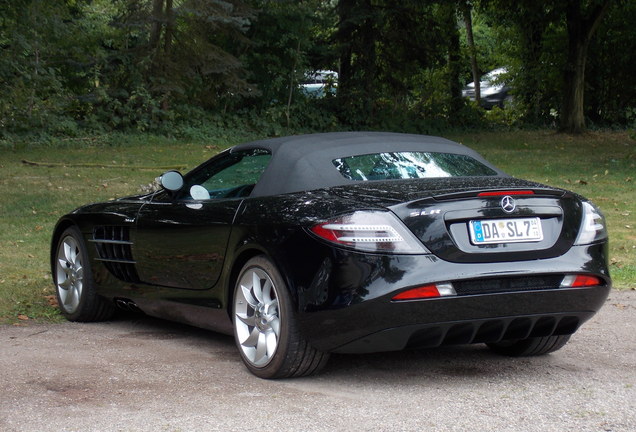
pixel 468 22
pixel 368 59
pixel 343 36
pixel 573 115
pixel 580 31
pixel 357 35
pixel 454 58
pixel 156 24
pixel 170 19
pixel 531 92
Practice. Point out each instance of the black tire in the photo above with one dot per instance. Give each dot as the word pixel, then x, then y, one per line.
pixel 530 347
pixel 265 325
pixel 73 279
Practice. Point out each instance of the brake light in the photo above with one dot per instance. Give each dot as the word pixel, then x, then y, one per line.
pixel 578 281
pixel 503 193
pixel 426 291
pixel 370 231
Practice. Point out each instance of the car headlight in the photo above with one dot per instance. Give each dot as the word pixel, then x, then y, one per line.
pixel 592 225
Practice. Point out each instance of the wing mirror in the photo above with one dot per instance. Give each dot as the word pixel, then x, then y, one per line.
pixel 171 180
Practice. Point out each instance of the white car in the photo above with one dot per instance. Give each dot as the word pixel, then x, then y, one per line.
pixel 494 90
pixel 319 83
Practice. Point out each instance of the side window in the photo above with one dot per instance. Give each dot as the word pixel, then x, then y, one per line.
pixel 233 176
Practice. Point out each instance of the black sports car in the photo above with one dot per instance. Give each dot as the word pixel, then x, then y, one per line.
pixel 342 242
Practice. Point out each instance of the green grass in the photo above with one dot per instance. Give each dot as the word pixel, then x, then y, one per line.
pixel 600 166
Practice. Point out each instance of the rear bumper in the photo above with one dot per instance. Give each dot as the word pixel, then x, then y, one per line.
pixel 489 327
pixel 347 307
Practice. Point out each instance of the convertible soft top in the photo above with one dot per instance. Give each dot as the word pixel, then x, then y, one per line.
pixel 305 162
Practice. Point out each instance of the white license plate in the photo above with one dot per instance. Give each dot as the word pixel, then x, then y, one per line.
pixel 506 230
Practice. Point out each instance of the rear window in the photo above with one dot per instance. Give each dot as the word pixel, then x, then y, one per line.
pixel 409 165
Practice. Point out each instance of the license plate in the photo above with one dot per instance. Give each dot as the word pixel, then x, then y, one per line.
pixel 506 230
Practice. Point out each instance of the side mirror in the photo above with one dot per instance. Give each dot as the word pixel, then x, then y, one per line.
pixel 171 180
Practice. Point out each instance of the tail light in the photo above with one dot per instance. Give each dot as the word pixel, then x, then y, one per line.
pixel 592 226
pixel 370 231
pixel 426 291
pixel 580 281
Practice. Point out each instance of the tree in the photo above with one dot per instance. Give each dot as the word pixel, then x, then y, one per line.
pixel 582 21
pixel 282 37
pixel 610 93
pixel 449 17
pixel 466 9
pixel 182 51
pixel 525 28
pixel 356 37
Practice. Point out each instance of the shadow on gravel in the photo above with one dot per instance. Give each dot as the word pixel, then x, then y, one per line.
pixel 462 362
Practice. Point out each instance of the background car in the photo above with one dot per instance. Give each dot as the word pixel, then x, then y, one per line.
pixel 494 90
pixel 320 83
pixel 352 242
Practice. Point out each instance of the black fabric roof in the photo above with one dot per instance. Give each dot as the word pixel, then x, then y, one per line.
pixel 304 162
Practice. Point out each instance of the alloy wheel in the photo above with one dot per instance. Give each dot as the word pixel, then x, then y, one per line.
pixel 70 274
pixel 257 317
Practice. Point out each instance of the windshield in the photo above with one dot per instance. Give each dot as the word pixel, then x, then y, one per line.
pixel 409 165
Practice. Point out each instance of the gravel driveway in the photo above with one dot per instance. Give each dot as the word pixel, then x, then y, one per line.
pixel 148 375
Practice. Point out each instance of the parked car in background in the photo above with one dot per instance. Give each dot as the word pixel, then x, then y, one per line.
pixel 320 83
pixel 494 89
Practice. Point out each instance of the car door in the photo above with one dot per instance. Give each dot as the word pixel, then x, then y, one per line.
pixel 182 238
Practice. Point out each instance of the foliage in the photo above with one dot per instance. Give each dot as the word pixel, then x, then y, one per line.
pixel 32 63
pixel 72 67
pixel 611 91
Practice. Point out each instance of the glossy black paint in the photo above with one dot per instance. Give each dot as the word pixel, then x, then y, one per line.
pixel 173 235
pixel 187 255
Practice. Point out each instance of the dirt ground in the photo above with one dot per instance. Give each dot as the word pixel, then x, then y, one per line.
pixel 143 374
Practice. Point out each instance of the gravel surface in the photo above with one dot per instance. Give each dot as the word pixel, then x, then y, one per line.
pixel 143 374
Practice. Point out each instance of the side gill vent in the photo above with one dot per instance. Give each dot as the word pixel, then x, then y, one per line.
pixel 114 248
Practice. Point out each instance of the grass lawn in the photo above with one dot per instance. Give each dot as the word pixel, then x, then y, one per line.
pixel 600 166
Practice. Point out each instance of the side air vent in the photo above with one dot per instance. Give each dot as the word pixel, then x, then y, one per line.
pixel 114 248
pixel 512 284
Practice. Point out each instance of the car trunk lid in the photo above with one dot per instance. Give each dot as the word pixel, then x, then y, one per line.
pixel 516 219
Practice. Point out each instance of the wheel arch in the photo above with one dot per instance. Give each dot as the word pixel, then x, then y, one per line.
pixel 241 259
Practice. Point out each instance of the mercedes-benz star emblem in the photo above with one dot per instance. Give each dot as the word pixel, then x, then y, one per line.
pixel 508 204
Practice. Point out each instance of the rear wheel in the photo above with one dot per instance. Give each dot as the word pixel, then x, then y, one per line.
pixel 530 347
pixel 265 327
pixel 76 292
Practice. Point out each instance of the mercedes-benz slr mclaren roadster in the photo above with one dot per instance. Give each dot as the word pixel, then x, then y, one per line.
pixel 342 242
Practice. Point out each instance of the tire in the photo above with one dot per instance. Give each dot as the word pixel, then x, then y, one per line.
pixel 530 347
pixel 265 326
pixel 76 292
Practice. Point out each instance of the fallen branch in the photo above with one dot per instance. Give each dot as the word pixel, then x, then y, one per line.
pixel 94 165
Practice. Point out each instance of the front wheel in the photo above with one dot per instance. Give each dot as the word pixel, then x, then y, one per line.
pixel 265 328
pixel 530 347
pixel 76 292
